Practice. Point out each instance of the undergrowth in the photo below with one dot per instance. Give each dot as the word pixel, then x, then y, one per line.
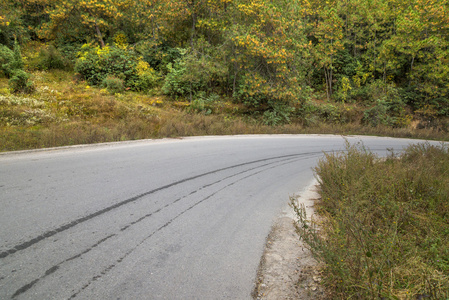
pixel 64 110
pixel 384 226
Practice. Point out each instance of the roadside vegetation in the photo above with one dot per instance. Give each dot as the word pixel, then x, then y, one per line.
pixel 64 110
pixel 91 71
pixel 382 230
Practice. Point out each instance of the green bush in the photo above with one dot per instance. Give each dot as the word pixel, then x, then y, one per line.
pixel 17 62
pixel 388 112
pixel 95 64
pixel 10 60
pixel 158 56
pixel 6 59
pixel 51 59
pixel 279 114
pixel 337 113
pixel 20 82
pixel 113 84
pixel 203 103
pixel 191 73
pixel 174 85
pixel 147 77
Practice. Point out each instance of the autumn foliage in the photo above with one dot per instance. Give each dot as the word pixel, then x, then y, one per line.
pixel 271 56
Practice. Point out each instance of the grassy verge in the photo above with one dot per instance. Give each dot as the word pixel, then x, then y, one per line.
pixel 64 110
pixel 384 231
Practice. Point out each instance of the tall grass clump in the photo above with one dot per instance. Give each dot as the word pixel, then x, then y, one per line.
pixel 384 225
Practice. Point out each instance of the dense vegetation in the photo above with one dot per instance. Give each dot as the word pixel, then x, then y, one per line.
pixel 377 63
pixel 384 230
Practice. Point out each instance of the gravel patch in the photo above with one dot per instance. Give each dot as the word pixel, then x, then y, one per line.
pixel 287 269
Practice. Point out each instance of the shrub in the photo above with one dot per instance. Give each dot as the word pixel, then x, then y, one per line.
pixel 174 85
pixel 384 231
pixel 279 114
pixel 158 55
pixel 387 112
pixel 338 113
pixel 95 64
pixel 275 98
pixel 17 62
pixel 191 73
pixel 20 82
pixel 343 93
pixel 113 84
pixel 147 77
pixel 10 60
pixel 50 58
pixel 6 59
pixel 203 103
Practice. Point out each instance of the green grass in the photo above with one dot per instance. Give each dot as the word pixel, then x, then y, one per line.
pixel 384 223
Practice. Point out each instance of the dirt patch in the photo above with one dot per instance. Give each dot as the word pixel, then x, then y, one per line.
pixel 287 269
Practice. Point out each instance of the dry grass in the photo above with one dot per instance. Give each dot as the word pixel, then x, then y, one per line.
pixel 385 233
pixel 66 111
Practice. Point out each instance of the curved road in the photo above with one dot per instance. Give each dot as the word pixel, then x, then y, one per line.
pixel 166 219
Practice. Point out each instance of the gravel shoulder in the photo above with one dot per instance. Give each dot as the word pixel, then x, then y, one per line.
pixel 287 269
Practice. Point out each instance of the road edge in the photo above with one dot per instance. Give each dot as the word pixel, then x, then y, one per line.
pixel 287 269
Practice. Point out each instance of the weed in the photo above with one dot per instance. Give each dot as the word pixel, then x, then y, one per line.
pixel 65 111
pixel 113 84
pixel 20 82
pixel 384 231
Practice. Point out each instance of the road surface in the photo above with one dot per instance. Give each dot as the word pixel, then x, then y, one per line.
pixel 164 219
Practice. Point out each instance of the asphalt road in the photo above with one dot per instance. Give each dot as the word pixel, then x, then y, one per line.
pixel 166 219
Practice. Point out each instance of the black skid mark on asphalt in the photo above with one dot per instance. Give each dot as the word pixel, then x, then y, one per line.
pixel 53 269
pixel 110 267
pixel 67 226
pixel 25 288
pixel 193 192
pixel 56 267
pixel 118 261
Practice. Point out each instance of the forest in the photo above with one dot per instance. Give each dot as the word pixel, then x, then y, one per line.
pixel 272 57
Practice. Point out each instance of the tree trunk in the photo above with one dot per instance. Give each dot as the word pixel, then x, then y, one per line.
pixel 100 37
pixel 236 71
pixel 193 33
pixel 411 70
pixel 326 76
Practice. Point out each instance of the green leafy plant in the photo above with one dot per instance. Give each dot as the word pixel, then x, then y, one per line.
pixel 95 64
pixel 279 114
pixel 17 62
pixel 385 112
pixel 6 59
pixel 191 73
pixel 113 84
pixel 51 59
pixel 10 60
pixel 20 82
pixel 203 103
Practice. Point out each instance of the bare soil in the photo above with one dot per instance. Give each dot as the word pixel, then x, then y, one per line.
pixel 287 269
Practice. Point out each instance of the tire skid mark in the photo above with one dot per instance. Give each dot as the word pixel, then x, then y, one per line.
pixel 25 288
pixel 83 219
pixel 191 193
pixel 53 269
pixel 118 261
